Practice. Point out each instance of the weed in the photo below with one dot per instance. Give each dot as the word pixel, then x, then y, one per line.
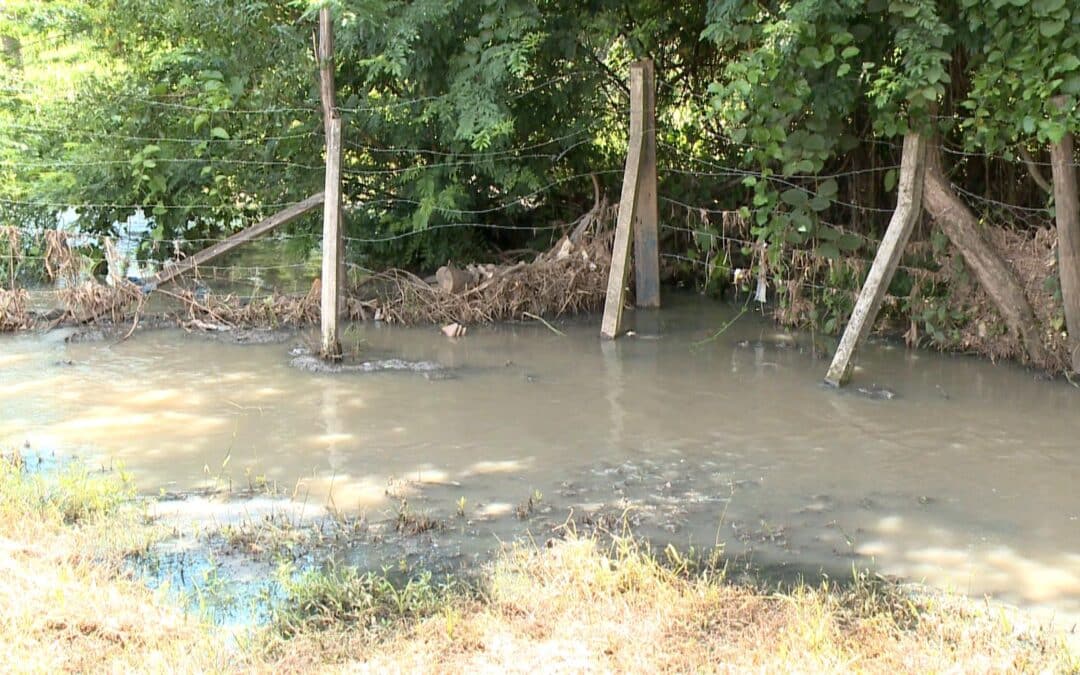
pixel 413 523
pixel 527 507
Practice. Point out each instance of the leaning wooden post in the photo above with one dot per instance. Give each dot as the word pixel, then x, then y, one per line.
pixel 647 211
pixel 332 244
pixel 1067 215
pixel 907 213
pixel 619 273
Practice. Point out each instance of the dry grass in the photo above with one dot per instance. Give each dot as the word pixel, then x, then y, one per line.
pixel 65 605
pixel 93 300
pixel 583 607
pixel 578 605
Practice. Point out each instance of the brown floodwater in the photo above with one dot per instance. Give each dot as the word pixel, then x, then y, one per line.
pixel 965 480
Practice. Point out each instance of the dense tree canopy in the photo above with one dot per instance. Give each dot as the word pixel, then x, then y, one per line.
pixel 497 111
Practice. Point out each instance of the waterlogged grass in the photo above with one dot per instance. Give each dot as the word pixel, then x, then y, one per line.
pixel 579 604
pixel 341 597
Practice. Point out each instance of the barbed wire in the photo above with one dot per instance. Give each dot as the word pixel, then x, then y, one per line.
pixel 313 107
pixel 516 201
pixel 495 153
pixel 443 226
pixel 144 207
pixel 726 170
pixel 160 160
pixel 153 139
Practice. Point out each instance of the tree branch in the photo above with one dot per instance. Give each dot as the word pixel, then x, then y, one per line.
pixel 1033 169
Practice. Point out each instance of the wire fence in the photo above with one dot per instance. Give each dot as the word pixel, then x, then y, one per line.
pixel 709 222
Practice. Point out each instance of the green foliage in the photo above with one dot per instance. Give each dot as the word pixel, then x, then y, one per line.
pixel 1023 54
pixel 495 112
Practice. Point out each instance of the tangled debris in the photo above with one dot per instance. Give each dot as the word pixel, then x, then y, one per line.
pixel 13 310
pixel 568 279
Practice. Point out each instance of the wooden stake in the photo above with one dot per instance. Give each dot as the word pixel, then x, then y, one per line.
pixel 333 243
pixel 619 273
pixel 326 65
pixel 1067 215
pixel 907 213
pixel 646 246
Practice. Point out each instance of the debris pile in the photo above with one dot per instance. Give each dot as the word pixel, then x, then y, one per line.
pixel 569 278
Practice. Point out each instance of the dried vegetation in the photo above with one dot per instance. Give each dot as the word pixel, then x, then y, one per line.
pixel 577 604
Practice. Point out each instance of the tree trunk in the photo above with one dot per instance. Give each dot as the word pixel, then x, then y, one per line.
pixel 1000 283
pixel 1067 215
pixel 454 280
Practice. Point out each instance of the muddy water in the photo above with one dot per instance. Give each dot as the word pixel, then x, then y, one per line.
pixel 965 480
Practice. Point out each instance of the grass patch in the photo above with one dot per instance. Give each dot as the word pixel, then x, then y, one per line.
pixel 341 597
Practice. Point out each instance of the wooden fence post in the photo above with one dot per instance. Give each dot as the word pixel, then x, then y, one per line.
pixel 1067 215
pixel 619 273
pixel 646 236
pixel 907 213
pixel 332 244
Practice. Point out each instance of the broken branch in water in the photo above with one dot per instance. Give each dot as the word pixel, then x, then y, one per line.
pixel 541 319
pixel 723 328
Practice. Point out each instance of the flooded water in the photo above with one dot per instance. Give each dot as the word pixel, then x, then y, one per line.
pixel 965 480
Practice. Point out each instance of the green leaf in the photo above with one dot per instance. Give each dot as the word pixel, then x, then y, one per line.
pixel 890 180
pixel 829 251
pixel 200 121
pixel 1046 7
pixel 1068 62
pixel 826 233
pixel 794 197
pixel 849 242
pixel 1051 28
pixel 828 188
pixel 219 132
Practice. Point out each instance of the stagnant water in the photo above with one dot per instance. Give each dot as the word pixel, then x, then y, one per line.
pixel 965 480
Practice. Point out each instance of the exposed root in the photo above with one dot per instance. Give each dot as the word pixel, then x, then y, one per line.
pixel 1033 259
